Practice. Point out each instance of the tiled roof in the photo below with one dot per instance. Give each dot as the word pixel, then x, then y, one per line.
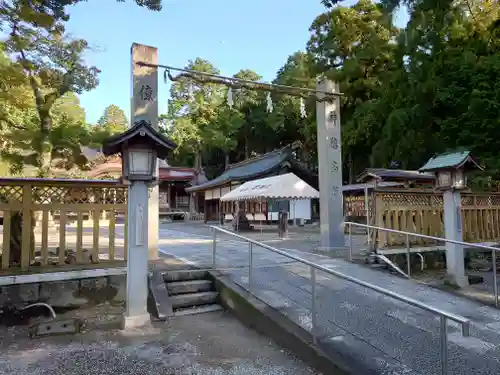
pixel 361 187
pixel 388 174
pixel 248 169
pixel 449 160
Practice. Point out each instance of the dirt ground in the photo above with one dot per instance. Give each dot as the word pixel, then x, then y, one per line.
pixel 206 344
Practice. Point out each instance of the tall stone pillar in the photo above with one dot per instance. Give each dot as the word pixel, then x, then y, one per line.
pixel 144 106
pixel 330 170
pixel 455 264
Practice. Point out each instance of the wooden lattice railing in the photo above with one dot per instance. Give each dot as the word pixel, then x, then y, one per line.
pixel 354 205
pixel 481 217
pixel 46 222
pixel 422 212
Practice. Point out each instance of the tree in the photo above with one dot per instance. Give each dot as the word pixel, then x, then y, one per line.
pixel 51 63
pixel 408 93
pixel 113 119
pixel 249 104
pixel 355 47
pixel 442 93
pixel 57 8
pixel 69 132
pixel 192 112
pixel 38 108
pixel 224 131
pixel 286 121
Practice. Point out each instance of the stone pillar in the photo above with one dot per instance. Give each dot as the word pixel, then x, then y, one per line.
pixel 136 313
pixel 192 205
pixel 145 107
pixel 455 266
pixel 368 222
pixel 330 170
pixel 169 193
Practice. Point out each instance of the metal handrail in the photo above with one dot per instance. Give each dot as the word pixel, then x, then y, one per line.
pixel 468 244
pixel 444 315
pixel 493 250
pixel 410 301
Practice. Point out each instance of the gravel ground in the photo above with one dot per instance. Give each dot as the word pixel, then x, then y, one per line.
pixel 206 344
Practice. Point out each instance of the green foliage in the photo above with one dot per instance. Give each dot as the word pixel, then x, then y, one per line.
pixel 113 120
pixel 41 69
pixel 68 133
pixel 51 66
pixel 155 5
pixel 408 93
pixel 193 110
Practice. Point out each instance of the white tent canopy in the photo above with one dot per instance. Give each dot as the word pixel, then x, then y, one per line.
pixel 285 186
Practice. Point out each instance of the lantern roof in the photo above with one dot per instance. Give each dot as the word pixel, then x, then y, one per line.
pixel 141 133
pixel 451 161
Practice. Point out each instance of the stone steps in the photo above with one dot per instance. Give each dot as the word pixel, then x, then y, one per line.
pixel 190 286
pixel 197 310
pixel 193 299
pixel 184 292
pixel 184 275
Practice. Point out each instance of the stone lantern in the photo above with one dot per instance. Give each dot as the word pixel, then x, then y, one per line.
pixel 140 147
pixel 451 178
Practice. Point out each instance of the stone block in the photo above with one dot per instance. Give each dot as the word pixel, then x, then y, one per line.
pixel 62 294
pixel 118 283
pixel 95 283
pixel 29 292
pixel 19 294
pixel 68 293
pixel 97 290
pixel 8 296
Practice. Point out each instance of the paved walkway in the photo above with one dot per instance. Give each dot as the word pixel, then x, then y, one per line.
pixel 382 335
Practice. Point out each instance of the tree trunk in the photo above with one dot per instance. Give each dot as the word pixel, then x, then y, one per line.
pixel 197 161
pixel 351 176
pixel 226 161
pixel 247 153
pixel 16 235
pixel 45 147
pixel 16 228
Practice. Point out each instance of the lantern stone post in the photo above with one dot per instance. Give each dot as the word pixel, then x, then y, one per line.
pixel 330 169
pixel 140 146
pixel 450 169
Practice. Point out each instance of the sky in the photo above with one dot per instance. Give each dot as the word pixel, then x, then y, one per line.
pixel 231 34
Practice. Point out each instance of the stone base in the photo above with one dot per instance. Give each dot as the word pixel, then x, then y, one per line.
pixel 452 281
pixel 85 288
pixel 137 321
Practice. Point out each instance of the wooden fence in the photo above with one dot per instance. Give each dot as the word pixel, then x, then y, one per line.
pixel 421 212
pixel 59 222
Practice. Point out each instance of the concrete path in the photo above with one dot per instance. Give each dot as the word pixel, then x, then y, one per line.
pixel 382 335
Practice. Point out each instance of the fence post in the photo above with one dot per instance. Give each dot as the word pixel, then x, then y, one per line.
pixel 350 241
pixel 444 345
pixel 495 282
pixel 250 266
pixel 214 247
pixel 26 245
pixel 408 255
pixel 313 304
